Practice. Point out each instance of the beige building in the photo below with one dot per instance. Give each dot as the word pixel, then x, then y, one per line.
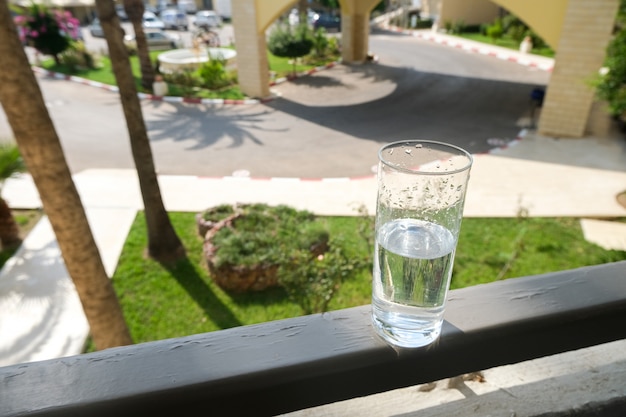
pixel 578 30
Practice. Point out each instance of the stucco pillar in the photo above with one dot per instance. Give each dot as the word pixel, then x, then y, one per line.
pixel 252 64
pixel 580 53
pixel 355 29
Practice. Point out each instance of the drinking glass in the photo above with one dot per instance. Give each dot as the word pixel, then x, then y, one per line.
pixel 421 193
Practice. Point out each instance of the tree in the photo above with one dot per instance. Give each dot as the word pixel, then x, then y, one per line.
pixel 49 33
pixel 164 245
pixel 612 84
pixel 289 42
pixel 135 10
pixel 11 163
pixel 43 155
pixel 303 11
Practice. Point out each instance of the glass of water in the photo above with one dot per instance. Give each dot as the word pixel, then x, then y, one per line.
pixel 421 193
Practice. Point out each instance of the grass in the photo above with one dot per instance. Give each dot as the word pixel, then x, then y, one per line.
pixel 161 303
pixel 505 42
pixel 281 67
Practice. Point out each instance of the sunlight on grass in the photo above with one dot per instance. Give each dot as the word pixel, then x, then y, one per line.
pixel 162 303
pixel 505 42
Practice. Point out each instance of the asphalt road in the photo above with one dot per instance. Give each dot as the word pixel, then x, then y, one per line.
pixel 330 124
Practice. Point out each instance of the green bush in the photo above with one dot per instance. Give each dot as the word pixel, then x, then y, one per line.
pixel 77 57
pixel 458 27
pixel 47 31
pixel 292 242
pixel 495 31
pixel 262 232
pixel 214 74
pixel 311 282
pixel 611 84
pixel 424 24
pixel 320 42
pixel 187 80
pixel 290 42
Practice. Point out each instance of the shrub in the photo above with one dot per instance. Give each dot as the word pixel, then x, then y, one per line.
pixel 289 42
pixel 214 75
pixel 612 83
pixel 186 80
pixel 49 33
pixel 495 31
pixel 311 282
pixel 256 246
pixel 77 56
pixel 424 24
pixel 458 27
pixel 320 42
pixel 262 232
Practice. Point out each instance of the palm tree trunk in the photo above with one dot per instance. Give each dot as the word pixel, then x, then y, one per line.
pixel 164 244
pixel 43 155
pixel 134 10
pixel 9 231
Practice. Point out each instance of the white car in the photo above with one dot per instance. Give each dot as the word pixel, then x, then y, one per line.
pixel 207 19
pixel 151 21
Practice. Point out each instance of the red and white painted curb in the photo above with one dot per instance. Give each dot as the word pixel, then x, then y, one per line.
pixel 244 175
pixel 545 64
pixel 172 99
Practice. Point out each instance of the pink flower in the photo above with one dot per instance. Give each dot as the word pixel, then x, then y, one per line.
pixel 33 34
pixel 19 20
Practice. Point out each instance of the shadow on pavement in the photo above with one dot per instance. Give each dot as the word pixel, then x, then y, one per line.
pixel 462 110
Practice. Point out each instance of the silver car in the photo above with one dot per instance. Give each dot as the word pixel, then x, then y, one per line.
pixel 151 21
pixel 157 40
pixel 95 28
pixel 174 19
pixel 207 19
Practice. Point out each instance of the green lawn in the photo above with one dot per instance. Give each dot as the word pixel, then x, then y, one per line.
pixel 505 42
pixel 170 302
pixel 281 67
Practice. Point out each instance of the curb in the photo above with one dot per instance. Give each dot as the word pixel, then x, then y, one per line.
pixel 244 175
pixel 526 60
pixel 188 100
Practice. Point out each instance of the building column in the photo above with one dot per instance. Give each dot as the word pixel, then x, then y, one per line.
pixel 581 50
pixel 252 63
pixel 355 29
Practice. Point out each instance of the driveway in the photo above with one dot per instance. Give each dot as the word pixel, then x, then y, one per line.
pixel 330 124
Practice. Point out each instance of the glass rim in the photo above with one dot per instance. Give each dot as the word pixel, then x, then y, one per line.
pixel 462 152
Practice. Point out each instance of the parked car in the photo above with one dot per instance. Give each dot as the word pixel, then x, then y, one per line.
pixel 187 6
pixel 151 21
pixel 157 40
pixel 95 28
pixel 174 19
pixel 207 19
pixel 327 21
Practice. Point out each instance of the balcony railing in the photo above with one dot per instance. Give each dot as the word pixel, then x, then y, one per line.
pixel 292 364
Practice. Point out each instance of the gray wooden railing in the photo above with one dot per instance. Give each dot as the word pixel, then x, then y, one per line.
pixel 292 364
